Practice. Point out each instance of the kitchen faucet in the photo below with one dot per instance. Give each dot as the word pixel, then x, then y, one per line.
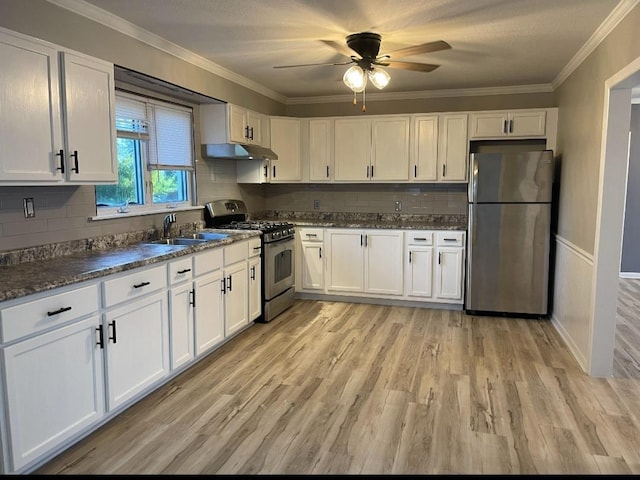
pixel 166 224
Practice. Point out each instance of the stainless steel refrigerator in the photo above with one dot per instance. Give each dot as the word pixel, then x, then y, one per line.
pixel 509 233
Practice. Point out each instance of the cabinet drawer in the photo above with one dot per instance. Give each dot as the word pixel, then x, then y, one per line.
pixel 311 234
pixel 448 238
pixel 35 316
pixel 134 285
pixel 236 252
pixel 419 237
pixel 208 261
pixel 255 247
pixel 180 270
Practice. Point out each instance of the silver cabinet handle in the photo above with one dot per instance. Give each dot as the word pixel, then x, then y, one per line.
pixel 504 126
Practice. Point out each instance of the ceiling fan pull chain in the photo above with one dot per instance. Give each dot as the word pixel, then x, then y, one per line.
pixel 364 100
pixel 355 101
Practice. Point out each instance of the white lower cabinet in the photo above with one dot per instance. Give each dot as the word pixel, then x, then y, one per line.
pixel 311 264
pixel 74 356
pixel 368 261
pixel 255 279
pixel 419 264
pixel 137 347
pixel 208 300
pixel 413 265
pixel 236 287
pixel 449 269
pixel 53 388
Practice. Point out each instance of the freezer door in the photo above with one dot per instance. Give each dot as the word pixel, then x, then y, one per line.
pixel 508 258
pixel 525 177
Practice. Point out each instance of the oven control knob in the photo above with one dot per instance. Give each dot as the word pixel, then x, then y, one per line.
pixel 275 235
pixel 292 231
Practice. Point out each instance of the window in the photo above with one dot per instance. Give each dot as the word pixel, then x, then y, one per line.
pixel 155 157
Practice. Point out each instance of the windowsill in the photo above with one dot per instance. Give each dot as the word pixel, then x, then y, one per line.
pixel 138 213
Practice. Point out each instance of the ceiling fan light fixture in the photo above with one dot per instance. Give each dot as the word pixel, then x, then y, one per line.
pixel 355 78
pixel 380 78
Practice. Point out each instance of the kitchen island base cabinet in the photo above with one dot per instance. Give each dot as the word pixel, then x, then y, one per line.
pixel 137 347
pixel 53 389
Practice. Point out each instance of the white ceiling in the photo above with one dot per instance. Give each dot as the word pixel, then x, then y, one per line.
pixel 495 43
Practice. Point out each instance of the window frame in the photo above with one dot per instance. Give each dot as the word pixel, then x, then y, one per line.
pixel 149 207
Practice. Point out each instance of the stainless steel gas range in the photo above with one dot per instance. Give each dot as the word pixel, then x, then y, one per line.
pixel 277 257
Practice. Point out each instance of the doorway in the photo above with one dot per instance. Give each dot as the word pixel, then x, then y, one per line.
pixel 609 220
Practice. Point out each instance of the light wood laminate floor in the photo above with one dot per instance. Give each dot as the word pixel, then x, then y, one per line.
pixel 339 388
pixel 626 357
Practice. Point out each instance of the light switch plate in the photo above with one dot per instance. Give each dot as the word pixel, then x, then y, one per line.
pixel 316 204
pixel 398 206
pixel 29 209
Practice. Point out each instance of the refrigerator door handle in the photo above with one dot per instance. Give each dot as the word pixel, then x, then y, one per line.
pixel 469 254
pixel 472 187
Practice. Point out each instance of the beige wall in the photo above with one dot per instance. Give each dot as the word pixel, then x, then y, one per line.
pixel 580 114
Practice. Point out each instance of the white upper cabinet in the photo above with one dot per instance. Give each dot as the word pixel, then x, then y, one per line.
pixel 453 147
pixel 390 153
pixel 320 150
pixel 285 142
pixel 89 100
pixel 439 148
pixel 59 127
pixel 228 123
pixel 515 124
pixel 371 149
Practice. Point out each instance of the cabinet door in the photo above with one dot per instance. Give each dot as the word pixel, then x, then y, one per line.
pixel 419 271
pixel 346 260
pixel 352 149
pixel 89 106
pixel 209 311
pixel 453 147
pixel 383 262
pixel 181 301
pixel 449 273
pixel 30 123
pixel 527 123
pixel 237 123
pixel 425 153
pixel 285 142
pixel 489 125
pixel 312 266
pixel 54 389
pixel 137 345
pixel 390 149
pixel 236 299
pixel 320 167
pixel 253 171
pixel 254 122
pixel 255 288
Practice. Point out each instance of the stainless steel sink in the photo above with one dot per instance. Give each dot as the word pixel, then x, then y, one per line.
pixel 178 241
pixel 208 236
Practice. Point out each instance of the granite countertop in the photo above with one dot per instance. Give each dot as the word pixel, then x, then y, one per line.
pixel 22 279
pixel 370 220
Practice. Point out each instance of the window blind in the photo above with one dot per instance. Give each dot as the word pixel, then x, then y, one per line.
pixel 131 118
pixel 171 146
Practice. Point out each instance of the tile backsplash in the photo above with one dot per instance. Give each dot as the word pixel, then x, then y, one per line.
pixel 373 198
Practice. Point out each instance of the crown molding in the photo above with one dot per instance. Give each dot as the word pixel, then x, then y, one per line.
pixel 103 17
pixel 615 17
pixel 462 92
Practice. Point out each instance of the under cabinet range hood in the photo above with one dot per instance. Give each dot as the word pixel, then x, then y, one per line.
pixel 239 151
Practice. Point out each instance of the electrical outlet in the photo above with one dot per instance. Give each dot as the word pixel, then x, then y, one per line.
pixel 398 206
pixel 29 209
pixel 316 204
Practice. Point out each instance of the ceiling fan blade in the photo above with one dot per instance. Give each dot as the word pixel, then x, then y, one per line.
pixel 419 49
pixel 416 67
pixel 339 47
pixel 312 64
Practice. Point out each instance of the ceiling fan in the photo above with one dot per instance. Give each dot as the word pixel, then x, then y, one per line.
pixel 367 47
